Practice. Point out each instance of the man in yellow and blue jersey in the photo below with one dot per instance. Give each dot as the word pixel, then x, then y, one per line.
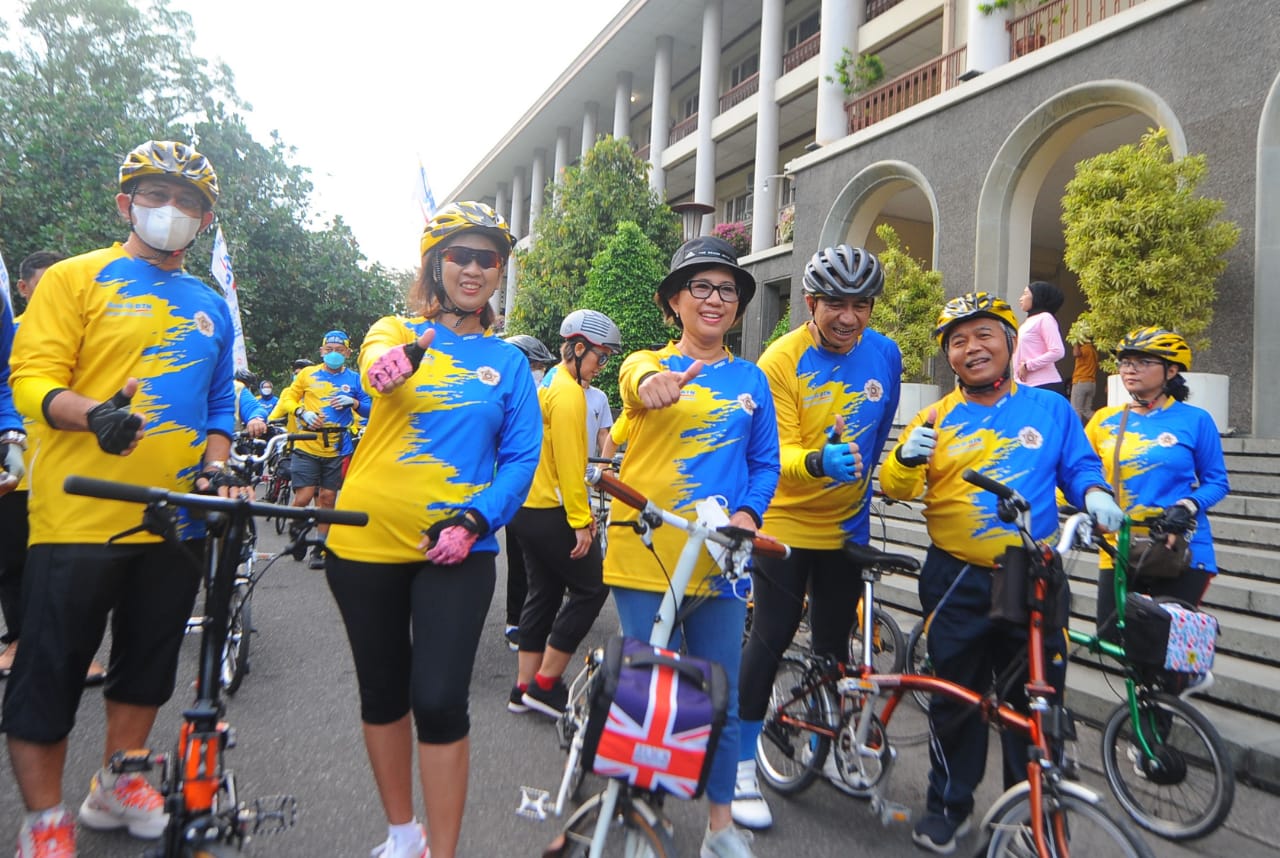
pixel 120 352
pixel 1030 440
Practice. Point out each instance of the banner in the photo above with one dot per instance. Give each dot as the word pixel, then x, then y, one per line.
pixel 221 269
pixel 4 287
pixel 426 200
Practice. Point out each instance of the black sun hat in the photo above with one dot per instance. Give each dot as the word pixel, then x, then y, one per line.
pixel 699 253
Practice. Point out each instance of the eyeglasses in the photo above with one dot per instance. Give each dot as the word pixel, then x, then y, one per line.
pixel 464 256
pixel 156 196
pixel 702 289
pixel 602 357
pixel 1138 362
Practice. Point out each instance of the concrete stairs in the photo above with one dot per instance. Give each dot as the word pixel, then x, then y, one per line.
pixel 1244 703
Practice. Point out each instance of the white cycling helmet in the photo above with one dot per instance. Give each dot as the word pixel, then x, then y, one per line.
pixel 594 327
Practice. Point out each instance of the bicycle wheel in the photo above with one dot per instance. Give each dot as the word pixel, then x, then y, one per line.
pixel 1186 788
pixel 888 646
pixel 235 652
pixel 918 655
pixel 210 850
pixel 1079 819
pixel 286 495
pixel 790 757
pixel 637 831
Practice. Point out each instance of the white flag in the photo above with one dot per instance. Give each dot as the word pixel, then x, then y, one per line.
pixel 221 269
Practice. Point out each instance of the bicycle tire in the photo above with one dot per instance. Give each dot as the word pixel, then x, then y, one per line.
pixel 286 495
pixel 235 651
pixel 638 831
pixel 1186 790
pixel 211 850
pixel 919 662
pixel 1090 829
pixel 888 646
pixel 790 758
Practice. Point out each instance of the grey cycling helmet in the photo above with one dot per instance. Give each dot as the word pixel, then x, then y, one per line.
pixel 532 347
pixel 594 327
pixel 844 272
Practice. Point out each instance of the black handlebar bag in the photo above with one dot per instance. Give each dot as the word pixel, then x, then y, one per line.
pixel 655 717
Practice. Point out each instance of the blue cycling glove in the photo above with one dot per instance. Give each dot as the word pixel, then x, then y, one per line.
pixel 839 463
pixel 1102 506
pixel 342 400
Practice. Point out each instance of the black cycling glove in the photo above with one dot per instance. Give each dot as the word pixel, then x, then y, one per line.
pixel 112 423
pixel 1179 518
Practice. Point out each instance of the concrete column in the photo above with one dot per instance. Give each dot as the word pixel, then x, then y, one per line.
pixel 537 187
pixel 517 229
pixel 622 106
pixel 764 206
pixel 988 39
pixel 704 180
pixel 501 204
pixel 589 126
pixel 840 22
pixel 660 113
pixel 561 162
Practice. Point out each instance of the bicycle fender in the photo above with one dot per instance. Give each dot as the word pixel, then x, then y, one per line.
pixel 1020 789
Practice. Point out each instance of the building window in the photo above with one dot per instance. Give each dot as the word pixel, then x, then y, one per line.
pixel 738 209
pixel 688 106
pixel 743 70
pixel 807 27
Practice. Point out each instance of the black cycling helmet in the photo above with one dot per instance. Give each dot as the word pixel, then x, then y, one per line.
pixel 844 272
pixel 247 378
pixel 532 347
pixel 301 363
pixel 697 254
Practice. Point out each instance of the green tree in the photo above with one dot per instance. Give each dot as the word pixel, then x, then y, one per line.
pixel 621 284
pixel 779 330
pixel 1147 249
pixel 907 311
pixel 609 186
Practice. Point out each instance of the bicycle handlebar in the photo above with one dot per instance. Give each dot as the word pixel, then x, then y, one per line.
pixel 998 489
pixel 765 546
pixel 272 445
pixel 111 490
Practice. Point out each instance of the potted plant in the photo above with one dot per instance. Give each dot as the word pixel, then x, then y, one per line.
pixel 907 313
pixel 737 233
pixel 1027 42
pixel 858 74
pixel 1147 251
pixel 787 225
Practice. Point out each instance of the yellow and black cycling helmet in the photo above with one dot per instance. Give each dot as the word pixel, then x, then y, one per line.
pixel 973 305
pixel 457 217
pixel 1157 342
pixel 167 158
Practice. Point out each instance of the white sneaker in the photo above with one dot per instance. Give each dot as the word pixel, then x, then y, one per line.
pixel 749 808
pixel 728 842
pixel 132 803
pixel 52 835
pixel 1199 684
pixel 390 849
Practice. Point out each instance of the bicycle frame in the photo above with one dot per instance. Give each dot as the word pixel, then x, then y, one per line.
pixel 193 777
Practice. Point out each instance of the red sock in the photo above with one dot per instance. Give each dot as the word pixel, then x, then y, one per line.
pixel 546 683
pixel 523 686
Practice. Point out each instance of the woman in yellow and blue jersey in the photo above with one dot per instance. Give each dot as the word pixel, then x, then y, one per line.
pixel 447 458
pixel 835 388
pixel 700 423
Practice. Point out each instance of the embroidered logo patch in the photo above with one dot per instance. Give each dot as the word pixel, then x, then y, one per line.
pixel 1030 438
pixel 748 404
pixel 488 375
pixel 1167 439
pixel 874 390
pixel 204 324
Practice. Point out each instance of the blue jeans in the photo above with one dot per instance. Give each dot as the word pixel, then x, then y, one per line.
pixel 714 632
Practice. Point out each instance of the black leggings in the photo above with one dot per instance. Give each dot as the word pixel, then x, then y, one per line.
pixel 778 590
pixel 547 539
pixel 517 578
pixel 414 629
pixel 13 559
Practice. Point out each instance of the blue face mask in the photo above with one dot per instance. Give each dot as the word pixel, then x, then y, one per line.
pixel 334 360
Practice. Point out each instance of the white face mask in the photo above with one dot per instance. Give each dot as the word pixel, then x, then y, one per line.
pixel 165 228
pixel 537 375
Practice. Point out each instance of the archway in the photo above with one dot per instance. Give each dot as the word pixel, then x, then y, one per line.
pixel 1266 267
pixel 891 192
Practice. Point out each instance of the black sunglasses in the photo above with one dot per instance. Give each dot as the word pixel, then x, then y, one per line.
pixel 464 256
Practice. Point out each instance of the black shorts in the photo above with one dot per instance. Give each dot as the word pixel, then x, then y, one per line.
pixel 148 591
pixel 311 471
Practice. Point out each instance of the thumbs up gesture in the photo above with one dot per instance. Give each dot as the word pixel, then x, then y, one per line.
pixel 662 389
pixel 397 364
pixel 118 430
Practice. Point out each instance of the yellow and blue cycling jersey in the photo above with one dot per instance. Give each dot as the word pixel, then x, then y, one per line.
pixel 97 320
pixel 1169 454
pixel 1030 440
pixel 721 438
pixel 811 386
pixel 558 480
pixel 313 389
pixel 463 433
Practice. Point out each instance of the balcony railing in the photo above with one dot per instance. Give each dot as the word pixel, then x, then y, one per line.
pixel 740 93
pixel 1058 19
pixel 642 152
pixel 917 85
pixel 682 129
pixel 879 7
pixel 801 53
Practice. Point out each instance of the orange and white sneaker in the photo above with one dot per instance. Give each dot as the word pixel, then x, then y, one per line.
pixel 53 835
pixel 131 803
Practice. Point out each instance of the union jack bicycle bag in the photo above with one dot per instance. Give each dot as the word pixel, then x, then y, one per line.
pixel 655 717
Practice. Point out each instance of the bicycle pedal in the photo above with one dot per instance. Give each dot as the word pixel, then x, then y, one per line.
pixel 534 803
pixel 270 814
pixel 135 760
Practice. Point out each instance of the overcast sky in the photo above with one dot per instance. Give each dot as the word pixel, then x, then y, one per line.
pixel 363 88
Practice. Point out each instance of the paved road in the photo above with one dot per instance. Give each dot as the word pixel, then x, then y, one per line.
pixel 297 720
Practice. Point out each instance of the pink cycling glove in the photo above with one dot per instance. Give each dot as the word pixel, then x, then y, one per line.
pixel 395 365
pixel 452 546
